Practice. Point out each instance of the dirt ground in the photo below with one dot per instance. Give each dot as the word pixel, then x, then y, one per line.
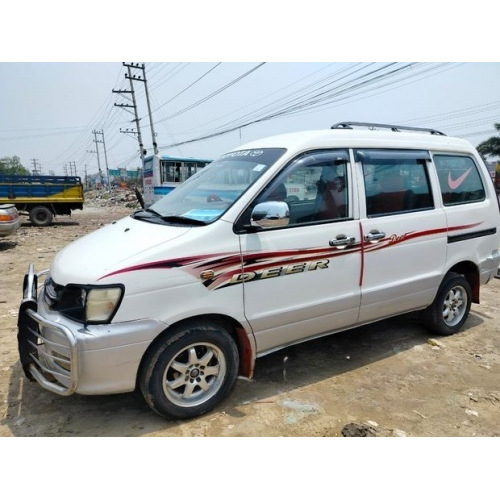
pixel 387 379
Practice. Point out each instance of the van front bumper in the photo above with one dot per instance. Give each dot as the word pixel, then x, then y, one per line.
pixel 65 357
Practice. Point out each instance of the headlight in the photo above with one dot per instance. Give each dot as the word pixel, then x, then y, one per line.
pixel 101 304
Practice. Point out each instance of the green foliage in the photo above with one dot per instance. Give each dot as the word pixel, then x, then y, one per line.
pixel 12 166
pixel 491 147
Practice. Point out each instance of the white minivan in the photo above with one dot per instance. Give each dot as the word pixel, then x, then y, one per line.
pixel 279 241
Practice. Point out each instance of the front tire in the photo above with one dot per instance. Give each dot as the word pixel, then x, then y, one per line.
pixel 450 309
pixel 190 371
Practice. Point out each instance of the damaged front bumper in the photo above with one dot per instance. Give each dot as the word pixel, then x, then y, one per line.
pixel 65 357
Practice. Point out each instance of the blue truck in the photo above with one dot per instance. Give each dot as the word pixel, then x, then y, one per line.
pixel 42 196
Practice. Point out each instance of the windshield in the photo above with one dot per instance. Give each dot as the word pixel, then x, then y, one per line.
pixel 205 196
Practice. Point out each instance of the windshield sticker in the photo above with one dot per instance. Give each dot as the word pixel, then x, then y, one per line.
pixel 202 215
pixel 248 152
pixel 258 167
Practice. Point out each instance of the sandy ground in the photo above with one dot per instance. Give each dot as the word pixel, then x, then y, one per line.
pixel 387 379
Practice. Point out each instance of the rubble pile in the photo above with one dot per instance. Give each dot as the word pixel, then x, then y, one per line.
pixel 115 197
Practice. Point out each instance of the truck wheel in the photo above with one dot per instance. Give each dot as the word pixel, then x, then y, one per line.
pixel 190 371
pixel 450 308
pixel 41 216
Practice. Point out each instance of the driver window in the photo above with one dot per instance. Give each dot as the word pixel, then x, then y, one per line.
pixel 314 187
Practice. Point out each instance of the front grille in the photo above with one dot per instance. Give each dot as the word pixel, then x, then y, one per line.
pixel 52 293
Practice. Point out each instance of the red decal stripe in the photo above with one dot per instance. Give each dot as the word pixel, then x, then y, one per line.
pixel 225 264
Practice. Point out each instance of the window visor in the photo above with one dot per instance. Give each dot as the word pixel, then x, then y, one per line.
pixel 391 154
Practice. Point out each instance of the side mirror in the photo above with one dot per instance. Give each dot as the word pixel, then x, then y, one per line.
pixel 270 214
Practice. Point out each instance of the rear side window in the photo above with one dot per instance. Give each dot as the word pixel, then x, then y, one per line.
pixel 459 179
pixel 396 181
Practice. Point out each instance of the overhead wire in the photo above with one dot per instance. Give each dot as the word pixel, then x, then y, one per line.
pixel 344 98
pixel 294 96
pixel 355 83
pixel 188 87
pixel 216 92
pixel 169 75
pixel 351 83
pixel 100 112
pixel 329 97
pixel 238 110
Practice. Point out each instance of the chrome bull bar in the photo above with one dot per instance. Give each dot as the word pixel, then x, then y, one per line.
pixel 47 349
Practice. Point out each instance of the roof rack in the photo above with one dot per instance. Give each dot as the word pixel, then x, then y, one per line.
pixel 394 128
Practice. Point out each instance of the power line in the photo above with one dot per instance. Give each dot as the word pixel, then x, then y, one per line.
pixel 302 93
pixel 372 80
pixel 189 86
pixel 290 107
pixel 236 111
pixel 213 94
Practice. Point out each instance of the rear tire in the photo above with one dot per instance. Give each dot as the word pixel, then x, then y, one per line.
pixel 449 311
pixel 41 216
pixel 190 371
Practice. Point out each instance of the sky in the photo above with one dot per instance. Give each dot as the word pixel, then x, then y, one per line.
pixel 231 75
pixel 50 110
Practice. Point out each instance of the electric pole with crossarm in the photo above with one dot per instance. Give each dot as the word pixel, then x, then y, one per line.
pixel 142 151
pixel 131 77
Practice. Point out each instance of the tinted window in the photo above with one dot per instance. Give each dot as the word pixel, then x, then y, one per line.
pixel 459 179
pixel 395 181
pixel 314 186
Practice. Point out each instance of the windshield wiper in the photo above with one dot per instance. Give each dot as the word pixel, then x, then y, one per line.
pixel 183 220
pixel 146 213
pixel 153 215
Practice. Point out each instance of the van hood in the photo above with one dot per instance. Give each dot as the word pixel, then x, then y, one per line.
pixel 120 243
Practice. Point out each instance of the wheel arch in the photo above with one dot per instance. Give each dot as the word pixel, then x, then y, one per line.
pixel 246 349
pixel 471 273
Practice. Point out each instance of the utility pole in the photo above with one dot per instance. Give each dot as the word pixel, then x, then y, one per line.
pixel 101 133
pixel 105 158
pixel 97 151
pixel 142 152
pixel 143 79
pixel 72 168
pixel 36 163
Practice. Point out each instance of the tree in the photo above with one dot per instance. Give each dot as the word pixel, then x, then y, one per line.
pixel 12 166
pixel 491 147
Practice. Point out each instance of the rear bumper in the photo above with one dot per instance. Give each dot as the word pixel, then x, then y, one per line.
pixel 8 228
pixel 65 357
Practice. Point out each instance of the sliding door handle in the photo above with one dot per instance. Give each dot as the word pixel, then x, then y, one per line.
pixel 374 235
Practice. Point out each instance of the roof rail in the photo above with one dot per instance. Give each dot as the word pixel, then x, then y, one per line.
pixel 394 128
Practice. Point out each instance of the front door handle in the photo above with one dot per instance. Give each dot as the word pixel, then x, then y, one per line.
pixel 341 240
pixel 374 235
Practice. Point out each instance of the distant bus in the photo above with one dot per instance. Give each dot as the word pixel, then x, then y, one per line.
pixel 163 173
